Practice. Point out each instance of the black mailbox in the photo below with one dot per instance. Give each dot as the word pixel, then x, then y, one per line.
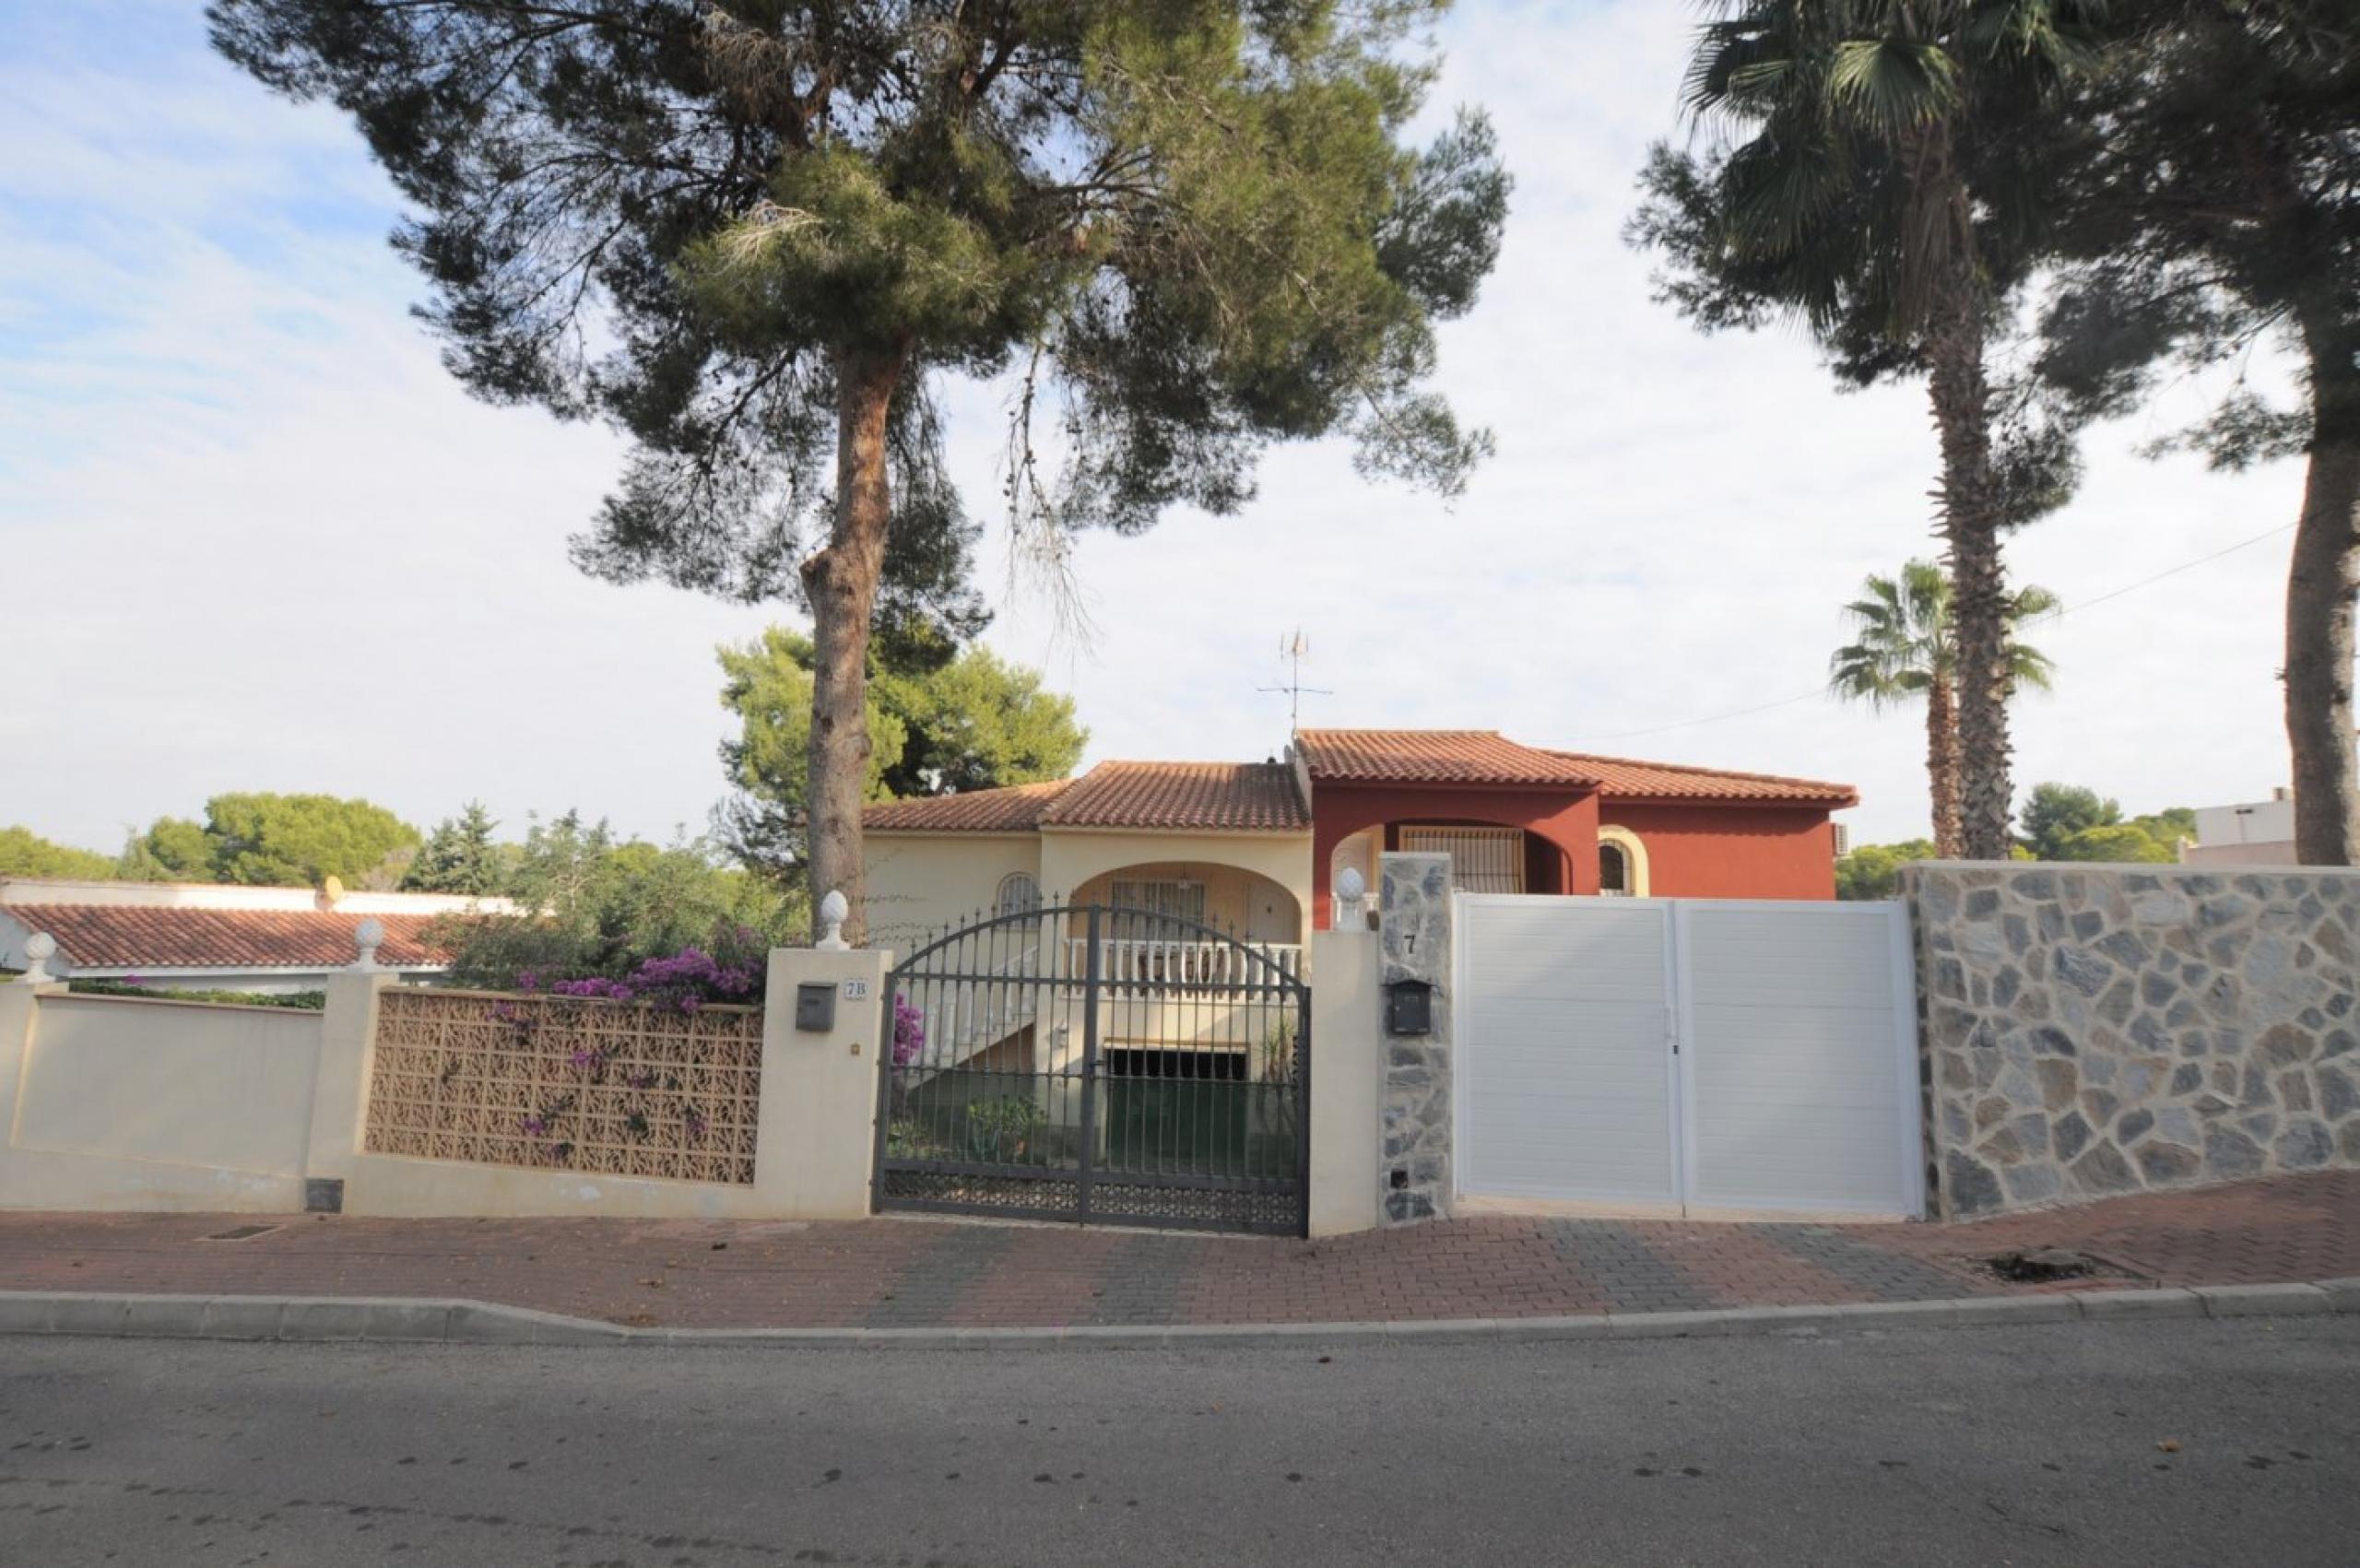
pixel 1409 1007
pixel 815 1006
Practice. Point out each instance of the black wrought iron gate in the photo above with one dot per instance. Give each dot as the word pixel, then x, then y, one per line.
pixel 1116 1067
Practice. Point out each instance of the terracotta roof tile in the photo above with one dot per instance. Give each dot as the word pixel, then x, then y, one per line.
pixel 148 936
pixel 1432 756
pixel 1202 796
pixel 1014 809
pixel 1219 796
pixel 1619 778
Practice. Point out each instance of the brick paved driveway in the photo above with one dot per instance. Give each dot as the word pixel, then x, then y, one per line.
pixel 919 1273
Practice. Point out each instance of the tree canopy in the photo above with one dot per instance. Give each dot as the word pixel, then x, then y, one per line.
pixel 1873 870
pixel 2062 821
pixel 24 852
pixel 754 235
pixel 2219 209
pixel 606 905
pixel 460 857
pixel 1863 180
pixel 275 841
pixel 975 722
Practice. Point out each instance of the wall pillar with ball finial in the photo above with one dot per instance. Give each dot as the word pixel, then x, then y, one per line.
pixel 815 1143
pixel 20 1007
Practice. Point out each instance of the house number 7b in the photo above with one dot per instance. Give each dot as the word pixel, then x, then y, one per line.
pixel 856 990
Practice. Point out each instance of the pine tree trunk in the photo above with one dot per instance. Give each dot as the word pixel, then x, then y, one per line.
pixel 840 583
pixel 1961 397
pixel 1941 765
pixel 2320 592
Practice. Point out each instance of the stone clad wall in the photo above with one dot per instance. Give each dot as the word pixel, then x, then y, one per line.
pixel 1414 1107
pixel 2102 1030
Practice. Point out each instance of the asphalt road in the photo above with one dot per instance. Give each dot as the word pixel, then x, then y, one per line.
pixel 2165 1442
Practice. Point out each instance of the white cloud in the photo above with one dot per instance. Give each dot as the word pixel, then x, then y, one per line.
pixel 256 538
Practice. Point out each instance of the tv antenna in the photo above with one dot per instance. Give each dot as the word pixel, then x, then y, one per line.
pixel 1295 650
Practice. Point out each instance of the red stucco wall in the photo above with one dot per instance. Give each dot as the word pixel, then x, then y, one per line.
pixel 1338 811
pixel 1731 851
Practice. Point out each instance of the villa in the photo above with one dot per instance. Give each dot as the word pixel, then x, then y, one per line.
pixel 1255 848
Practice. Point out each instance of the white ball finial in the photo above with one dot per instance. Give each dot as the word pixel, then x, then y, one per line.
pixel 1351 886
pixel 40 948
pixel 369 936
pixel 832 909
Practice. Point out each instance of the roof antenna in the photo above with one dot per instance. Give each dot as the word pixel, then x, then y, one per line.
pixel 1295 650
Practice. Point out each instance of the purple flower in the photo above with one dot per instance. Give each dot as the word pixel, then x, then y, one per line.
pixel 536 1127
pixel 909 1033
pixel 585 1057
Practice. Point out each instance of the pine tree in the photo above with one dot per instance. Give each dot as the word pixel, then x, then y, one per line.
pixel 759 236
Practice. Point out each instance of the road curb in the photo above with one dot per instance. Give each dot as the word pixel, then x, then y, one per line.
pixel 398 1320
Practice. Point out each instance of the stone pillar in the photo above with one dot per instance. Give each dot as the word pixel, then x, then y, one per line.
pixel 340 1084
pixel 816 1144
pixel 1414 943
pixel 1347 1082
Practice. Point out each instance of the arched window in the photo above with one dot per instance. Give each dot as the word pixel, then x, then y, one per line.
pixel 1622 864
pixel 1019 894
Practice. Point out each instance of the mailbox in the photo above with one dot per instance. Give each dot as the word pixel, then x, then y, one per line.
pixel 1409 1007
pixel 815 1007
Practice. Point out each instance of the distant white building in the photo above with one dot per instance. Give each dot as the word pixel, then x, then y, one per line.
pixel 207 936
pixel 2261 833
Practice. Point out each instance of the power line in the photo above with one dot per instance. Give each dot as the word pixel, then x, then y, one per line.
pixel 2057 614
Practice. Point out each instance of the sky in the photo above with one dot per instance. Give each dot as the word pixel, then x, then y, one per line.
pixel 252 537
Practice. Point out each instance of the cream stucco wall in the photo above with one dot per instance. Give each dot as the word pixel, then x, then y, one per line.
pixel 1072 858
pixel 1346 1079
pixel 123 1103
pixel 1244 902
pixel 930 882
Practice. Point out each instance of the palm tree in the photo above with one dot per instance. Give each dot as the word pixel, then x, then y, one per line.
pixel 1854 198
pixel 1905 649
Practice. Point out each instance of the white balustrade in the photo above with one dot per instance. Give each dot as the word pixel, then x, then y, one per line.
pixel 1151 960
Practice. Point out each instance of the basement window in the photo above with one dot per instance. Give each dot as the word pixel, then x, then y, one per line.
pixel 1217 1066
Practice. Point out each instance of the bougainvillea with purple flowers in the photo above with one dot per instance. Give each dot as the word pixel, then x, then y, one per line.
pixel 731 968
pixel 909 1032
pixel 733 972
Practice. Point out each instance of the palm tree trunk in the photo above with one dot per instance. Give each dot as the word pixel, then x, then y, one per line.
pixel 1941 765
pixel 2321 584
pixel 1961 397
pixel 840 583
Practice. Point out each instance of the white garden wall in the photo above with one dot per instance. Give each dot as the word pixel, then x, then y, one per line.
pixel 127 1103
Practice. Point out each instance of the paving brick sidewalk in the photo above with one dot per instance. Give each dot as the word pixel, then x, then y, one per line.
pixel 889 1273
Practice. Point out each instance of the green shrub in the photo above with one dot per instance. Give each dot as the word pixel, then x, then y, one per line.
pixel 1000 1131
pixel 307 1001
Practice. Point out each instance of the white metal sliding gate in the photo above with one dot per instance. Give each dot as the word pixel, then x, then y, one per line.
pixel 1687 1053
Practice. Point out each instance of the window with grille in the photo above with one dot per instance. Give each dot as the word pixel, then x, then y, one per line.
pixel 1482 860
pixel 1019 894
pixel 1613 871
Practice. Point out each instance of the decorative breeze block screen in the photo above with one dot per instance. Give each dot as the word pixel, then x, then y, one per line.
pixel 566 1083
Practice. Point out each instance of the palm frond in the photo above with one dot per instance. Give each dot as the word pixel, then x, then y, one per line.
pixel 1889 86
